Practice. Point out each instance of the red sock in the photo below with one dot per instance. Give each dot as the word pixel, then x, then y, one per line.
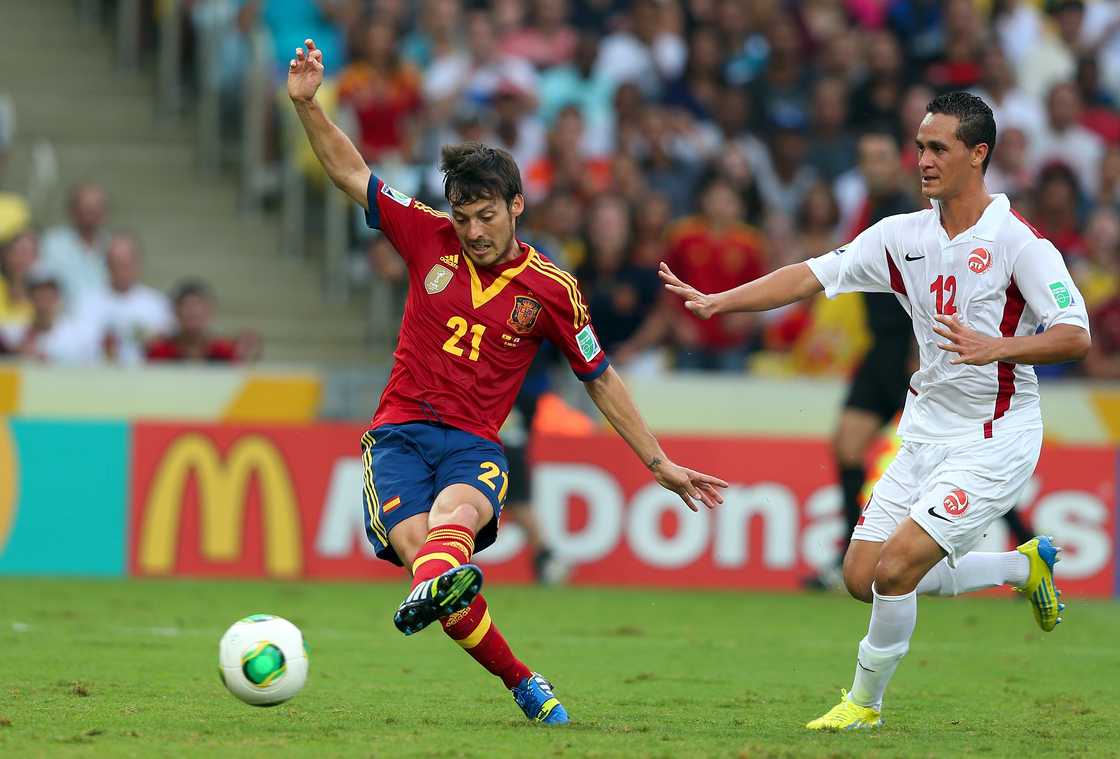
pixel 447 546
pixel 472 629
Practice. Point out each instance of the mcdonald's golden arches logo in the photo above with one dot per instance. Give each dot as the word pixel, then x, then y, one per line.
pixel 223 491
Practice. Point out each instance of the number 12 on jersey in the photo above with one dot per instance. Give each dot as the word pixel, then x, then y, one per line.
pixel 945 290
pixel 459 328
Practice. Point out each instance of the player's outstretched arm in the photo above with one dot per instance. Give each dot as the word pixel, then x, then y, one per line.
pixel 341 160
pixel 778 288
pixel 614 400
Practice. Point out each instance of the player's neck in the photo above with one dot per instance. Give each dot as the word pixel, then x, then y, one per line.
pixel 963 211
pixel 511 254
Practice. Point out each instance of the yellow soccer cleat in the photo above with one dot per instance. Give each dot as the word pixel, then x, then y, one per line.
pixel 847 716
pixel 1043 555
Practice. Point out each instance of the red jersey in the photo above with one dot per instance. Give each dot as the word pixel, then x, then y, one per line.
pixel 217 350
pixel 469 333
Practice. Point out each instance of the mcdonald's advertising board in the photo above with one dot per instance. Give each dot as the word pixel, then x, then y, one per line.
pixel 286 502
pixel 63 490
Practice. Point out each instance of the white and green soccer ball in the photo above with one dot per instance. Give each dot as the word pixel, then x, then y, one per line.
pixel 263 660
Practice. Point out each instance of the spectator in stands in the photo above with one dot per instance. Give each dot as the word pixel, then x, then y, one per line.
pixel 698 89
pixel 290 22
pixel 782 173
pixel 1064 139
pixel 621 294
pixel 579 83
pixel 549 40
pixel 51 335
pixel 17 259
pixel 832 147
pixel 1108 187
pixel 956 66
pixel 1010 171
pixel 565 164
pixel 75 253
pixel 517 128
pixel 1097 273
pixel 382 91
pixel 1056 209
pixel 1103 361
pixel 131 314
pixel 1052 57
pixel 1012 107
pixel 876 100
pixel 651 228
pixel 783 90
pixel 437 34
pixel 716 248
pixel 648 49
pixel 193 339
pixel 474 75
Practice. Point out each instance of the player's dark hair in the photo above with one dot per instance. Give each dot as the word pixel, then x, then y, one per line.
pixel 189 287
pixel 473 171
pixel 977 124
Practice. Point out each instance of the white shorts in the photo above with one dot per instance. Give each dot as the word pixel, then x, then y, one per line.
pixel 952 491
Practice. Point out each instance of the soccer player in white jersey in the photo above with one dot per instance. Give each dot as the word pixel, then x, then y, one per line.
pixel 989 297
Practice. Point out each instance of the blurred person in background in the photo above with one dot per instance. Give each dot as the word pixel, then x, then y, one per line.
pixel 580 84
pixel 1108 186
pixel 566 165
pixel 623 295
pixel 18 257
pixel 956 66
pixel 698 89
pixel 517 129
pixel 549 40
pixel 1064 140
pixel 715 247
pixel 382 90
pixel 878 389
pixel 474 74
pixel 1010 171
pixel 647 49
pixel 438 33
pixel 877 98
pixel 1013 107
pixel 1056 209
pixel 51 336
pixel 193 338
pixel 783 89
pixel 129 313
pixel 832 147
pixel 1097 273
pixel 781 171
pixel 1103 361
pixel 1051 57
pixel 75 252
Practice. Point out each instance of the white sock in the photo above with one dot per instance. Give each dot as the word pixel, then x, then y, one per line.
pixel 888 639
pixel 975 571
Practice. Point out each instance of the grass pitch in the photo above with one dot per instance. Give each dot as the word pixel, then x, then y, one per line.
pixel 115 668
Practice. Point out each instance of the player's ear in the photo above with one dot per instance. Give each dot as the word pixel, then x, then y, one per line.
pixel 979 153
pixel 517 205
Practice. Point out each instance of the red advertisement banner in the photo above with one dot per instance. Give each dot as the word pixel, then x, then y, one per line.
pixel 286 502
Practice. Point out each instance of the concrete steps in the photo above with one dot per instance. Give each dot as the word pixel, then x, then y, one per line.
pixel 103 126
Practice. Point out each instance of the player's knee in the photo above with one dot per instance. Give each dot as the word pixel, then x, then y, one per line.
pixel 857 579
pixel 464 513
pixel 894 575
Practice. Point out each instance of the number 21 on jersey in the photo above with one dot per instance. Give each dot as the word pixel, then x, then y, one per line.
pixel 944 290
pixel 459 328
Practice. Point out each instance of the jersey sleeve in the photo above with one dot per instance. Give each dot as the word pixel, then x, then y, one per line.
pixel 1047 287
pixel 863 265
pixel 567 323
pixel 406 222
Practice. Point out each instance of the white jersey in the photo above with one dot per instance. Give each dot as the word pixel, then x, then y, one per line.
pixel 1001 277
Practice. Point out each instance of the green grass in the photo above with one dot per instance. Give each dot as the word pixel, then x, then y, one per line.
pixel 117 669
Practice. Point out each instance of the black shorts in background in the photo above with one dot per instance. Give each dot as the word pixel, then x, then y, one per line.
pixel 881 382
pixel 519 492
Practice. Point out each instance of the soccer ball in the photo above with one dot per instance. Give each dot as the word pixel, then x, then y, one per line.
pixel 263 660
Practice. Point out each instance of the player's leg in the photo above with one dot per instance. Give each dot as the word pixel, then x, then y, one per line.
pixel 904 559
pixel 473 481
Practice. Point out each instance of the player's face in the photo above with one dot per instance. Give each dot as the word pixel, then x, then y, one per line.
pixel 486 228
pixel 945 163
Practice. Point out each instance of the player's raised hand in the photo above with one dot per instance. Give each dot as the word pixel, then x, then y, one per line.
pixel 690 485
pixel 695 301
pixel 305 72
pixel 972 347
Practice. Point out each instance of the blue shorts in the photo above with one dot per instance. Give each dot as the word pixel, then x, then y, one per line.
pixel 406 467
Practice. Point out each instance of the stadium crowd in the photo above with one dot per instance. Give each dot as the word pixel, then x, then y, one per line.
pixel 722 136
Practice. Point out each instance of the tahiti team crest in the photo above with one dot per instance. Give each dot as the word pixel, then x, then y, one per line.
pixel 956 503
pixel 979 261
pixel 524 314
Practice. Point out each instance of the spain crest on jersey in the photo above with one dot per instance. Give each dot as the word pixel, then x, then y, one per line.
pixel 524 314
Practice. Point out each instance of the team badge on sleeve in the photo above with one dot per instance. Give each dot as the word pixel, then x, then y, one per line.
pixel 396 195
pixel 524 314
pixel 588 344
pixel 1061 293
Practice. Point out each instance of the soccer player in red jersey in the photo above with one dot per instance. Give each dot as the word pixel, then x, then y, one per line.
pixel 480 303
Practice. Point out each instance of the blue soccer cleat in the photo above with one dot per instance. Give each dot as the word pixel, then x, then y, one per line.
pixel 535 697
pixel 438 597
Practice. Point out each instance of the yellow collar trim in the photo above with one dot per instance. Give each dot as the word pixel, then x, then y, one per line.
pixel 480 296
